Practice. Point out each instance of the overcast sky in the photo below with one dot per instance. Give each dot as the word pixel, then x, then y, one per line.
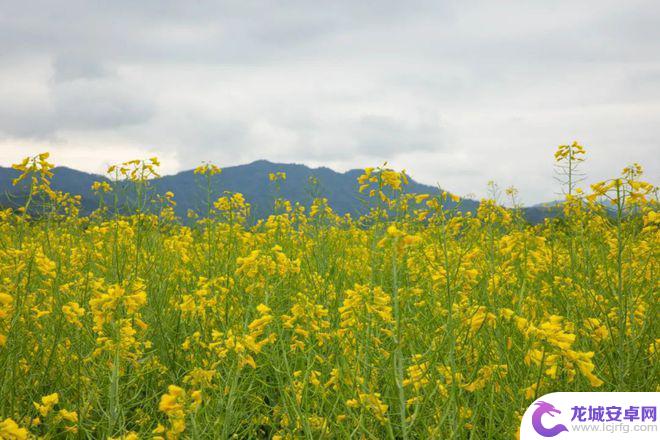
pixel 456 92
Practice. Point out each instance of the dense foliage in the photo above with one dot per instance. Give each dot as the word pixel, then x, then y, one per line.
pixel 415 321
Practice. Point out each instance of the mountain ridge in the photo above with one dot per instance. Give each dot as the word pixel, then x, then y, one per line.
pixel 251 179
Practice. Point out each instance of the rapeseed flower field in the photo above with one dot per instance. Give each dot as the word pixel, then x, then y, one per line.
pixel 413 321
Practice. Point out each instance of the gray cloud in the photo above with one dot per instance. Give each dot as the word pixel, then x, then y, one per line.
pixel 456 92
pixel 72 66
pixel 379 135
pixel 98 105
pixel 81 104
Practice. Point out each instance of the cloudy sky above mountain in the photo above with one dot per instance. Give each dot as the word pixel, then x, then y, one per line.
pixel 456 92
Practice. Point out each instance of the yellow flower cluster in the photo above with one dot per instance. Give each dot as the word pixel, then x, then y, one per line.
pixel 45 409
pixel 36 167
pixel 277 176
pixel 552 348
pixel 136 170
pixel 417 319
pixel 207 169
pixel 6 308
pixel 378 180
pixel 10 430
pixel 116 314
pixel 574 152
pixel 372 403
pixel 233 207
pixel 176 404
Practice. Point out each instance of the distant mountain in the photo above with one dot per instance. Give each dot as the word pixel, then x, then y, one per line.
pixel 341 189
pixel 64 179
